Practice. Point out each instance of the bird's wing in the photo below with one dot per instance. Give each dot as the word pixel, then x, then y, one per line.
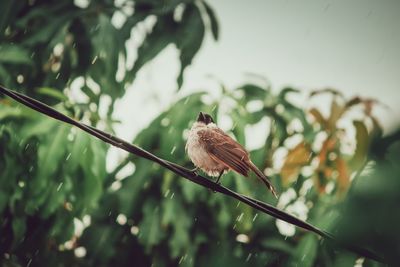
pixel 222 148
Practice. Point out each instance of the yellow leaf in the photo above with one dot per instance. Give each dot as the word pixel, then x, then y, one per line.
pixel 336 112
pixel 296 158
pixel 318 117
pixel 343 179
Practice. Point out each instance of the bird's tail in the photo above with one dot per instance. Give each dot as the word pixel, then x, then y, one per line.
pixel 263 178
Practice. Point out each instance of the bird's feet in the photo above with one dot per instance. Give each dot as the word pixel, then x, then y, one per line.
pixel 194 171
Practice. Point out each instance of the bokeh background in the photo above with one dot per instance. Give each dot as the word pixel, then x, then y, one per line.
pixel 309 88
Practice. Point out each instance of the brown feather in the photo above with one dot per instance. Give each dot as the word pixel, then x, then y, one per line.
pixel 224 149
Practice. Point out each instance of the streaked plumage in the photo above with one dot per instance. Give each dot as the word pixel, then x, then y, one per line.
pixel 215 152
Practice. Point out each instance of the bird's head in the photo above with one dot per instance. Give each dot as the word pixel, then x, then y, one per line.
pixel 205 118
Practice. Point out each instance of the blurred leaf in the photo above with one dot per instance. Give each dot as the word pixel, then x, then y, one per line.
pixel 47 31
pixel 14 54
pixel 295 160
pixel 318 117
pixel 5 10
pixel 151 233
pixel 331 91
pixel 50 155
pixel 343 178
pixel 19 228
pixel 213 20
pixel 336 112
pixel 306 251
pixel 327 146
pixel 277 244
pixel 285 91
pixel 162 34
pixel 52 93
pixel 362 145
pixel 189 37
pixel 253 92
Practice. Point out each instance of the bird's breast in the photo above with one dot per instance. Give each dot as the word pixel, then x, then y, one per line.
pixel 199 156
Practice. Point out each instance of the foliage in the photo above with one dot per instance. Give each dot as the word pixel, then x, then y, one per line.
pixel 53 175
pixel 59 206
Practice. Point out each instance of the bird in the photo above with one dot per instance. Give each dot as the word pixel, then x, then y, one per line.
pixel 215 153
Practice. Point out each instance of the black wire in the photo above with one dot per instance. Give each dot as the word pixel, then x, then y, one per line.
pixel 180 170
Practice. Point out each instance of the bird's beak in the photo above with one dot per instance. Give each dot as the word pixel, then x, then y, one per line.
pixel 201 117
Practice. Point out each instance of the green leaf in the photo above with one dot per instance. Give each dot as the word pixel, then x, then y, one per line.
pixel 213 20
pixel 189 38
pixel 172 209
pixel 277 245
pixel 162 34
pixel 19 229
pixel 306 251
pixel 151 232
pixel 79 146
pixel 50 153
pixel 52 93
pixel 285 91
pixel 6 8
pixel 48 30
pixel 253 92
pixel 14 54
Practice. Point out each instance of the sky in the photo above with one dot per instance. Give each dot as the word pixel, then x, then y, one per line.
pixel 352 46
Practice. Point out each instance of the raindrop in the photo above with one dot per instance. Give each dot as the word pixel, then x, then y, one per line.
pixel 234 226
pixel 30 168
pixel 172 196
pixel 255 216
pixel 240 217
pixel 234 126
pixel 248 257
pixel 186 100
pixel 94 59
pixel 27 146
pixel 68 156
pixel 237 206
pixel 59 186
pixel 29 263
pixel 166 193
pixel 214 107
pixel 173 150
pixel 302 258
pixel 57 76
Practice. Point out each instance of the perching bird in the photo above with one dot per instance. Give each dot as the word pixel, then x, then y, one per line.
pixel 215 152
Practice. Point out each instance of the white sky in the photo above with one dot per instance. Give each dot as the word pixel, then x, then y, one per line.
pixel 349 45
